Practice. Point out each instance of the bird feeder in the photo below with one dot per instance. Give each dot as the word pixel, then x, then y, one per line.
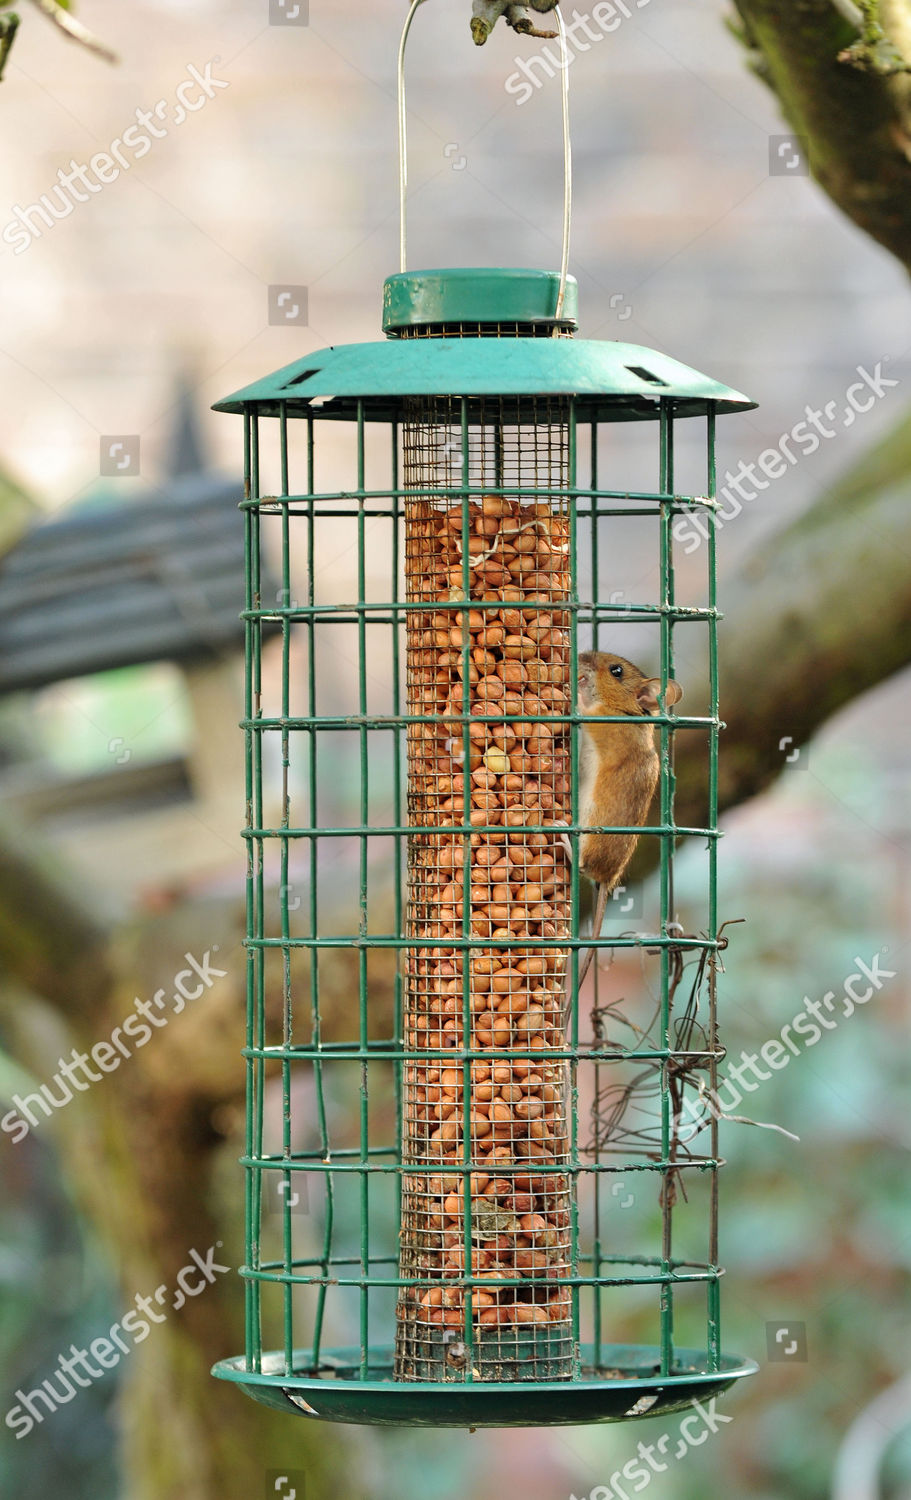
pixel 485 1302
pixel 459 1260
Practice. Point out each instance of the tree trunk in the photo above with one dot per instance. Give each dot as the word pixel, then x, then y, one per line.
pixel 854 114
pixel 147 1150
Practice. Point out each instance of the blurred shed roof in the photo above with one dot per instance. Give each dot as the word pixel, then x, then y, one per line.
pixel 119 584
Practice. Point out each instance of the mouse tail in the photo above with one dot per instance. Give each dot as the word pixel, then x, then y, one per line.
pixel 597 922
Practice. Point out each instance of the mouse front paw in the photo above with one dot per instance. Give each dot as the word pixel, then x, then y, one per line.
pixel 564 841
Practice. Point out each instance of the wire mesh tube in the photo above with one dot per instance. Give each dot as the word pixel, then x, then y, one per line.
pixel 486 1203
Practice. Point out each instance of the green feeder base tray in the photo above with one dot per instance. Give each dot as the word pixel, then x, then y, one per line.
pixel 627 1384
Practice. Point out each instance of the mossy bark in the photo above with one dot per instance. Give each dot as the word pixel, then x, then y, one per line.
pixel 857 121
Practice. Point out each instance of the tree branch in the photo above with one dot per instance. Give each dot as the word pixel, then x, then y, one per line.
pixel 819 615
pixel 49 941
pixel 856 119
pixel 850 11
pixel 67 23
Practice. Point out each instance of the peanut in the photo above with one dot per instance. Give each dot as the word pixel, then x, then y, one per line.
pixel 499 652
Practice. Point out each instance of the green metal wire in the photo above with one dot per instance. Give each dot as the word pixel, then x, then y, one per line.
pixel 257 930
pixel 666 867
pixel 591 515
pixel 287 1007
pixel 573 1038
pixel 251 1314
pixel 398 781
pixel 338 1265
pixel 315 1017
pixel 714 1288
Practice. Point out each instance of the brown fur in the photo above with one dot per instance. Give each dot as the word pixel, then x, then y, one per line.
pixel 619 766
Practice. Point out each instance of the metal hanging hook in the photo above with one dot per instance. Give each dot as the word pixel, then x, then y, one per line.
pixel 567 153
pixel 403 139
pixel 567 167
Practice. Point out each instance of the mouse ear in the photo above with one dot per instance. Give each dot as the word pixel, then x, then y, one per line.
pixel 648 694
pixel 587 693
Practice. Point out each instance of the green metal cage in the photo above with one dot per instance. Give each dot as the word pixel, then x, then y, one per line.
pixel 442 1126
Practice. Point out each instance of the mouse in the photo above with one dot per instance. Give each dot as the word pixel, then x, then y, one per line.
pixel 619 768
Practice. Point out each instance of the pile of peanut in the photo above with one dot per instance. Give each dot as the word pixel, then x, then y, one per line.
pixel 514 661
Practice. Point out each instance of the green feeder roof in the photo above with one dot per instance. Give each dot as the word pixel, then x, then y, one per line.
pixel 611 382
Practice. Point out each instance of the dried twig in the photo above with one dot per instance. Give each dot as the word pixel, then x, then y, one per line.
pixel 59 15
pixel 74 29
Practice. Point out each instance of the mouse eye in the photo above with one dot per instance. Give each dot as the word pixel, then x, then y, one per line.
pixel 616 670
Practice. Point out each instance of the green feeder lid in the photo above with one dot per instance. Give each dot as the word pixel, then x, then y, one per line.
pixel 610 382
pixel 486 297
